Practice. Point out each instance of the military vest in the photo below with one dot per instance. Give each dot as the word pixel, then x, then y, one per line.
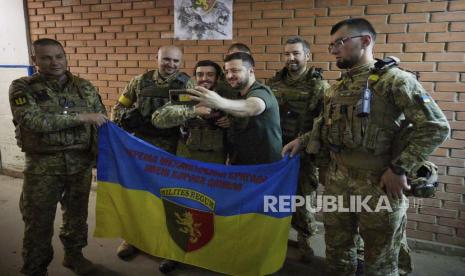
pixel 75 138
pixel 152 97
pixel 204 136
pixel 298 104
pixel 361 142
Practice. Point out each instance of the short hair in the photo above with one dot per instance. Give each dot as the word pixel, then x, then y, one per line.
pixel 45 42
pixel 219 71
pixel 241 47
pixel 246 58
pixel 301 40
pixel 359 24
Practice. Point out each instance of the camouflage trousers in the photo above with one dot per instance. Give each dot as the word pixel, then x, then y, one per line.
pixel 382 231
pixel 303 221
pixel 38 203
pixel 405 260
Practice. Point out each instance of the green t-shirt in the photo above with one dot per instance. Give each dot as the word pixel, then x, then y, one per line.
pixel 257 139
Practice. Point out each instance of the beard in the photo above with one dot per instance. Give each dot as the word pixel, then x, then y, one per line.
pixel 293 66
pixel 240 84
pixel 346 63
pixel 206 84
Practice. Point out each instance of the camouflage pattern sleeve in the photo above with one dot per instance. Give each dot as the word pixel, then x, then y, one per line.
pixel 311 141
pixel 323 89
pixel 27 113
pixel 97 105
pixel 191 83
pixel 271 81
pixel 316 104
pixel 430 126
pixel 127 99
pixel 305 139
pixel 94 98
pixel 312 144
pixel 172 115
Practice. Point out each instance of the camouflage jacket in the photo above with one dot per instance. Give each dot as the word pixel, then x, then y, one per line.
pixel 199 134
pixel 47 128
pixel 299 100
pixel 147 95
pixel 370 142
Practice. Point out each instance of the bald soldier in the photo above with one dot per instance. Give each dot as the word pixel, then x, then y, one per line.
pixel 141 98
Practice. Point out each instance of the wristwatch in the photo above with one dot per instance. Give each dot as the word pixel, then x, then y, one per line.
pixel 397 169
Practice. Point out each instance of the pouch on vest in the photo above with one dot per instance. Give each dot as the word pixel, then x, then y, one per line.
pixel 204 138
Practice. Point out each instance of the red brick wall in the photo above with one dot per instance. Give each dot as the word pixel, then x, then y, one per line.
pixel 109 42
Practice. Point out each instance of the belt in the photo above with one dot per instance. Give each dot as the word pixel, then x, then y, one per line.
pixel 357 173
pixel 361 160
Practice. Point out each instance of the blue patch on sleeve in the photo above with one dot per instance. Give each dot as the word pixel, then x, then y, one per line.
pixel 425 98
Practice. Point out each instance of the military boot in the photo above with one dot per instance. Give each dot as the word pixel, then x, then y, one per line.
pixel 360 268
pixel 307 256
pixel 306 251
pixel 78 263
pixel 166 266
pixel 126 251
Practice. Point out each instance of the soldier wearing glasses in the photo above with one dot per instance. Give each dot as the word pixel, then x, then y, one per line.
pixel 359 124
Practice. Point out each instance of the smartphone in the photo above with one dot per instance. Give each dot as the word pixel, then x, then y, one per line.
pixel 181 97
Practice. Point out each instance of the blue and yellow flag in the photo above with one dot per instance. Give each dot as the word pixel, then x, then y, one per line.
pixel 208 215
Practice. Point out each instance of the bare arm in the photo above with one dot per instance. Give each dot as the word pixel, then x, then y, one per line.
pixel 250 107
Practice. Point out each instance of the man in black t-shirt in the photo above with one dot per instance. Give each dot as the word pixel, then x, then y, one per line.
pixel 258 139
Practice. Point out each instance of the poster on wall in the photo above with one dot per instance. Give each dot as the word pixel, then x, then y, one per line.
pixel 203 19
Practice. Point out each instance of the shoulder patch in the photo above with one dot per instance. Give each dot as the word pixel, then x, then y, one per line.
pixel 424 98
pixel 20 100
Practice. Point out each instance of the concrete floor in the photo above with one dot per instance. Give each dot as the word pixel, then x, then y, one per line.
pixel 102 251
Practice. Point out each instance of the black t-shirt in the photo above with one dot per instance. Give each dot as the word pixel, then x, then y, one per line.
pixel 257 139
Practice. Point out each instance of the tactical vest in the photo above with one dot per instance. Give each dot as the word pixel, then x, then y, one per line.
pixel 152 97
pixel 75 138
pixel 297 104
pixel 203 136
pixel 361 142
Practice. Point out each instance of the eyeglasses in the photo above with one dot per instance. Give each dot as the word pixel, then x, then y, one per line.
pixel 340 42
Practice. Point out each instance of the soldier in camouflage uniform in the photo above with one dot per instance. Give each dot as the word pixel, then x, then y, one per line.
pixel 203 129
pixel 56 115
pixel 357 135
pixel 299 90
pixel 144 95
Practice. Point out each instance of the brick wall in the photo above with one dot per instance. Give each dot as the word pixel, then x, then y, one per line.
pixel 109 42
